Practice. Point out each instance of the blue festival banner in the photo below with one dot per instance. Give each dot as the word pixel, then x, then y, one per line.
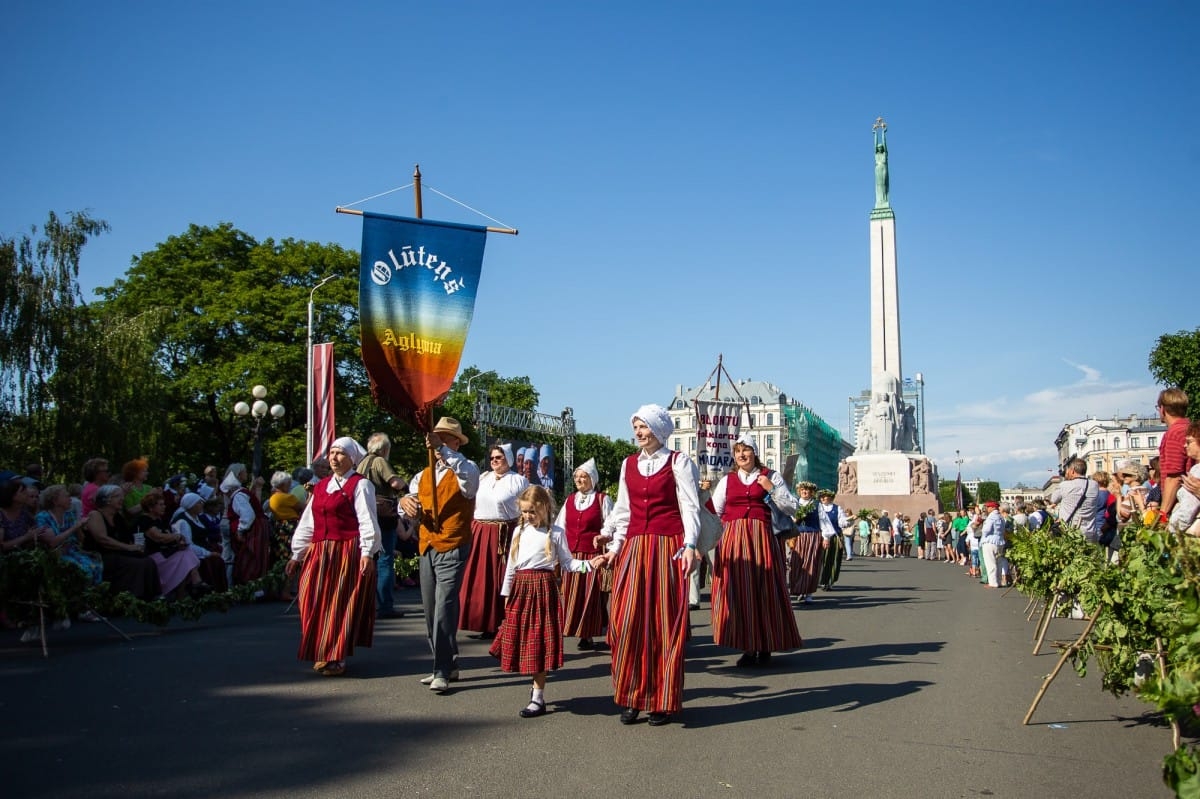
pixel 417 287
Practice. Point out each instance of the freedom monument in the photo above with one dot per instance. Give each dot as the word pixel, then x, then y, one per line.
pixel 887 470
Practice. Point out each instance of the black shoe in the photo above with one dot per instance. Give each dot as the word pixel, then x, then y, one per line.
pixel 629 715
pixel 764 658
pixel 747 660
pixel 484 636
pixel 658 719
pixel 694 606
pixel 539 709
pixel 586 644
pixel 390 614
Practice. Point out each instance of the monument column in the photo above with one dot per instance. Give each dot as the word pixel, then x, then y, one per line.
pixel 885 297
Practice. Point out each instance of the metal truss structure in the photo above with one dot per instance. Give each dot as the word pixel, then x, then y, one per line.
pixel 562 426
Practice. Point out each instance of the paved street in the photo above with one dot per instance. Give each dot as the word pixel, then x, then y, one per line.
pixel 912 683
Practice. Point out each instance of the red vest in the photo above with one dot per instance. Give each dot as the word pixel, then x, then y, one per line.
pixel 255 505
pixel 583 525
pixel 653 504
pixel 745 501
pixel 334 518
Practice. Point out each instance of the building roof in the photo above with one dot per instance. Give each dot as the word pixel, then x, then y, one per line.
pixel 756 392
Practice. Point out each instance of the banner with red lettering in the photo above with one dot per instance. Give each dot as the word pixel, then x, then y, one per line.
pixel 717 426
pixel 320 401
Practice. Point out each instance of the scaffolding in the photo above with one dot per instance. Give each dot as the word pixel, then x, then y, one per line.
pixel 818 446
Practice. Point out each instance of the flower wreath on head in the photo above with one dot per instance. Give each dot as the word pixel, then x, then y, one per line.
pixel 806 506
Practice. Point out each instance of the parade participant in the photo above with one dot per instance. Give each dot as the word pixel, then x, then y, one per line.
pixel 334 549
pixel 388 487
pixel 585 596
pixel 545 469
pixel 444 542
pixel 530 638
pixel 496 514
pixel 655 524
pixel 833 520
pixel 804 550
pixel 248 554
pixel 750 607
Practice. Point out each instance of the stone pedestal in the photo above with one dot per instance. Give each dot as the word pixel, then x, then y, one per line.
pixel 897 482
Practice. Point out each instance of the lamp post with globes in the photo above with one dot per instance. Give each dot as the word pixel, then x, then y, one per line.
pixel 258 411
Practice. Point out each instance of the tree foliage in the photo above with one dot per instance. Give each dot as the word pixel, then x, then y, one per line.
pixel 39 303
pixel 1175 361
pixel 946 494
pixel 989 491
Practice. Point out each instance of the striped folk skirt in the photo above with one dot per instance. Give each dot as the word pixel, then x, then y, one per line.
pixel 585 600
pixel 804 563
pixel 337 603
pixel 648 624
pixel 530 638
pixel 750 606
pixel 482 607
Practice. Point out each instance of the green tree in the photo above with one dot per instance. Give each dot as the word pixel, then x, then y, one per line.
pixel 39 300
pixel 946 494
pixel 989 491
pixel 1175 362
pixel 229 313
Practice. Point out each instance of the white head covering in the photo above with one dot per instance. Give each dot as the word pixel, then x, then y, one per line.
pixel 351 447
pixel 588 467
pixel 232 482
pixel 747 440
pixel 190 501
pixel 657 419
pixel 508 453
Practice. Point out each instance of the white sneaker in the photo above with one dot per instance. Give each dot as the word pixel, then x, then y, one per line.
pixel 429 680
pixel 439 684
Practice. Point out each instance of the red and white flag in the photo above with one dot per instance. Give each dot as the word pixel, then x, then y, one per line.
pixel 320 401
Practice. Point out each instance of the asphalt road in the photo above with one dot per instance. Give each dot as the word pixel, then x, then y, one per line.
pixel 912 683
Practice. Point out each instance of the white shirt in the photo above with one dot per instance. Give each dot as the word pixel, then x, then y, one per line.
pixel 364 510
pixel 780 495
pixel 181 527
pixel 243 509
pixel 687 482
pixel 497 495
pixel 583 501
pixel 531 554
pixel 827 529
pixel 451 461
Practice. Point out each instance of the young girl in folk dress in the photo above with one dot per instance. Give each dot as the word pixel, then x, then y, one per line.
pixel 530 637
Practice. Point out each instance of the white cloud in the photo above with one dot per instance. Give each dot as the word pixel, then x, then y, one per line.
pixel 1011 440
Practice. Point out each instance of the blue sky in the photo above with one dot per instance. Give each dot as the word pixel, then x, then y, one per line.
pixel 689 181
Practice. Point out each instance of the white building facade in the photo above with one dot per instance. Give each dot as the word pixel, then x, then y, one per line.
pixel 1105 442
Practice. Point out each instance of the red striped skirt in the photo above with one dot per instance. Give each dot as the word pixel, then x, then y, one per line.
pixel 530 638
pixel 804 563
pixel 482 607
pixel 585 600
pixel 750 606
pixel 337 603
pixel 648 624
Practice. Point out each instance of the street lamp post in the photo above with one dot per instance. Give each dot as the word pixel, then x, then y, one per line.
pixel 308 400
pixel 958 498
pixel 258 411
pixel 473 378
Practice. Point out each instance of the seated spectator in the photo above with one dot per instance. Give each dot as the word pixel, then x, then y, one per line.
pixel 178 567
pixel 186 522
pixel 126 566
pixel 172 492
pixel 65 532
pixel 134 474
pixel 18 501
pixel 95 474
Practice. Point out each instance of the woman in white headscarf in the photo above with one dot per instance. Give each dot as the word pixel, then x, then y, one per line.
pixel 248 554
pixel 585 595
pixel 655 524
pixel 496 515
pixel 334 548
pixel 750 606
pixel 186 522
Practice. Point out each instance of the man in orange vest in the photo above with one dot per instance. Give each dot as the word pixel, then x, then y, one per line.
pixel 444 542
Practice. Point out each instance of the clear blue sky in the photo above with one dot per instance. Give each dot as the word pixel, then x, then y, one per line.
pixel 688 181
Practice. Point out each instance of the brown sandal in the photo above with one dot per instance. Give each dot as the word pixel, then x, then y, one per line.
pixel 334 669
pixel 320 665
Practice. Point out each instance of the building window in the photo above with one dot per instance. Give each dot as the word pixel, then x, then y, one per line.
pixel 691 444
pixel 751 416
pixel 1116 443
pixel 1099 466
pixel 770 441
pixel 770 421
pixel 1152 442
pixel 676 422
pixel 1135 443
pixel 676 445
pixel 770 463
